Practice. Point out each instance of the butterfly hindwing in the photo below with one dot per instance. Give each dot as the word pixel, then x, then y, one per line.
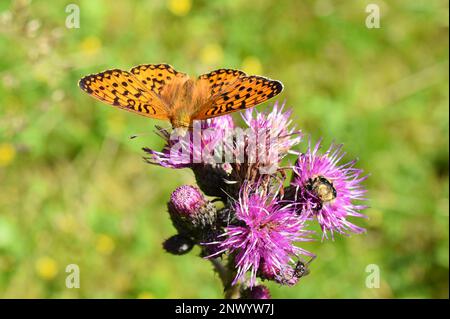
pixel 122 89
pixel 156 77
pixel 245 92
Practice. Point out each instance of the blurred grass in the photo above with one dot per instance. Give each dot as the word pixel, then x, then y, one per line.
pixel 73 188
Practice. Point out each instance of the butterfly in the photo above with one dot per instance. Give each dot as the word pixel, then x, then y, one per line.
pixel 159 91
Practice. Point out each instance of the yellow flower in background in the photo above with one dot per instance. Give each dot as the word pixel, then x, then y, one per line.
pixel 66 223
pixel 179 7
pixel 91 45
pixel 7 154
pixel 46 268
pixel 252 65
pixel 105 244
pixel 145 295
pixel 212 54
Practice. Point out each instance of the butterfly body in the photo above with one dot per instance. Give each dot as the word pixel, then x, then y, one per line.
pixel 183 101
pixel 159 91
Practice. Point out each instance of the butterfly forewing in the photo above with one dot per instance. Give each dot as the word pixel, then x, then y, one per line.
pixel 155 77
pixel 220 80
pixel 122 89
pixel 245 92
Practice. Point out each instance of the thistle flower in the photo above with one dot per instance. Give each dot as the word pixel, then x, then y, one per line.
pixel 258 149
pixel 326 190
pixel 264 234
pixel 195 147
pixel 277 125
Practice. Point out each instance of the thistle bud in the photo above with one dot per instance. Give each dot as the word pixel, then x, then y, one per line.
pixel 186 201
pixel 191 213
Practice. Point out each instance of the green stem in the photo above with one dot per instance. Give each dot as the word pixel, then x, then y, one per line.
pixel 226 276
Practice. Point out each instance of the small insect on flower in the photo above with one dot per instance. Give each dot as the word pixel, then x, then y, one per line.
pixel 302 267
pixel 290 275
pixel 159 91
pixel 323 188
pixel 327 190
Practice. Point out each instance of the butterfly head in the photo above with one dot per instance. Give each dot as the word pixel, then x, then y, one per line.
pixel 181 124
pixel 181 119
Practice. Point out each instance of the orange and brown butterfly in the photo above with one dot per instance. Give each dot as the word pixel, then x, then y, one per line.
pixel 159 91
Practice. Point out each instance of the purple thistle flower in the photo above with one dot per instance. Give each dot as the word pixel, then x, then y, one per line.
pixel 327 190
pixel 194 147
pixel 276 125
pixel 258 149
pixel 163 158
pixel 264 235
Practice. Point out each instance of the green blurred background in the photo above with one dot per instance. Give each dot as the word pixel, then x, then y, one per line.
pixel 73 187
